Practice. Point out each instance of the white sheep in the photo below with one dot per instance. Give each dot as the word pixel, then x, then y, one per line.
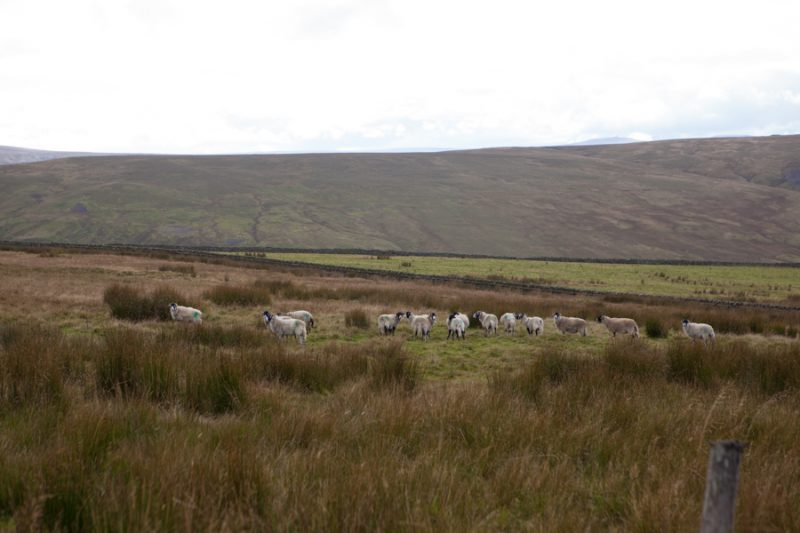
pixel 533 324
pixel 388 323
pixel 698 330
pixel 619 325
pixel 286 327
pixel 455 326
pixel 305 316
pixel 509 322
pixel 566 324
pixel 185 314
pixel 421 325
pixel 488 321
pixel 464 318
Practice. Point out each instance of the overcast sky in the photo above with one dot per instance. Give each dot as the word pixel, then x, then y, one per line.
pixel 201 77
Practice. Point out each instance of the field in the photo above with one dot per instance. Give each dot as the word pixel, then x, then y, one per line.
pixel 111 423
pixel 740 283
pixel 710 199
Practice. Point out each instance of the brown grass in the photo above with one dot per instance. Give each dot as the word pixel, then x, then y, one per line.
pixel 161 426
pixel 241 295
pixel 180 269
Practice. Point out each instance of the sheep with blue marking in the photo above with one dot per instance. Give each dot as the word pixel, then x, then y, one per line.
pixel 509 322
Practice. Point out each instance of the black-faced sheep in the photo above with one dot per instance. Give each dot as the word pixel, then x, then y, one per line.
pixel 182 313
pixel 286 327
pixel 619 325
pixel 566 324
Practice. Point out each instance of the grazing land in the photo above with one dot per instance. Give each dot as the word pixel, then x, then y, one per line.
pixel 730 282
pixel 712 199
pixel 149 424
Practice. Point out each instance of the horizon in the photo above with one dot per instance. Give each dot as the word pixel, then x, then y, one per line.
pixel 604 141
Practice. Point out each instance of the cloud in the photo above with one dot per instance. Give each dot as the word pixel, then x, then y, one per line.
pixel 180 76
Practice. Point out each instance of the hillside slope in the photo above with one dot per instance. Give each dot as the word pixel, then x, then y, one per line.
pixel 667 200
pixel 12 155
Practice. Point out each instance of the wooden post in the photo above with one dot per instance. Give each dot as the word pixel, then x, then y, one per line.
pixel 720 498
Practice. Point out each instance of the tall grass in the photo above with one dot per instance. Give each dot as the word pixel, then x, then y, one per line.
pixel 549 368
pixel 391 367
pixel 33 366
pixel 181 269
pixel 131 303
pixel 766 369
pixel 356 318
pixel 217 336
pixel 239 295
pixel 567 442
pixel 132 364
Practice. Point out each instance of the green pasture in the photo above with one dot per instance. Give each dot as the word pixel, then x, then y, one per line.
pixel 743 283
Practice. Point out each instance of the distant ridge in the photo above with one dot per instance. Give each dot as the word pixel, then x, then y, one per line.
pixel 11 155
pixel 606 140
pixel 732 199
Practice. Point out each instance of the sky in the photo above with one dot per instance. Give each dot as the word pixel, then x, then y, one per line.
pixel 188 76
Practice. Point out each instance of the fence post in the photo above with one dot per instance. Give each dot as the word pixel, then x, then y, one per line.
pixel 720 497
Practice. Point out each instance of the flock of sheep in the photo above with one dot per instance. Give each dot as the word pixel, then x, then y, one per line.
pixel 297 323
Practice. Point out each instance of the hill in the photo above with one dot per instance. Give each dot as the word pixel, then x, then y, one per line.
pixel 714 199
pixel 12 155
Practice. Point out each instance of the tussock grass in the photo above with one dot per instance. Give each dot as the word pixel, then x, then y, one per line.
pixel 634 357
pixel 131 303
pixel 391 367
pixel 224 427
pixel 319 371
pixel 356 318
pixel 549 368
pixel 568 441
pixel 132 364
pixel 180 269
pixel 654 328
pixel 766 369
pixel 33 366
pixel 217 336
pixel 239 295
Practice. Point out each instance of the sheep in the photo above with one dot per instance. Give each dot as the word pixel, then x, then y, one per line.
pixel 533 324
pixel 566 324
pixel 509 322
pixel 488 321
pixel 421 325
pixel 697 330
pixel 455 326
pixel 464 318
pixel 286 327
pixel 305 316
pixel 185 314
pixel 619 325
pixel 388 323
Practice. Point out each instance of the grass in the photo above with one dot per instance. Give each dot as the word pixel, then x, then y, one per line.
pixel 240 295
pixel 131 303
pixel 747 283
pixel 642 201
pixel 356 318
pixel 147 425
pixel 180 269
